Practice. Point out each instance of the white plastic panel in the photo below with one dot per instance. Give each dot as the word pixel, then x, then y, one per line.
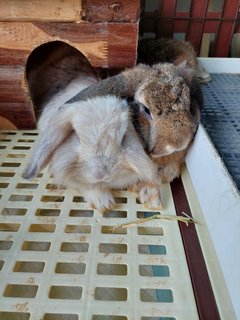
pixel 60 260
pixel 220 65
pixel 215 273
pixel 218 196
pixel 220 203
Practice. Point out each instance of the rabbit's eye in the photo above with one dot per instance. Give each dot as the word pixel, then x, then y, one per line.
pixel 146 111
pixel 177 101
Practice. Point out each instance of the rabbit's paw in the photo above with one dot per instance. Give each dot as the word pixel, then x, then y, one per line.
pixel 150 196
pixel 100 200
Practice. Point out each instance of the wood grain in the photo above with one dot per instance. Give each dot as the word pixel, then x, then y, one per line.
pixel 165 28
pixel 37 10
pixel 122 44
pixel 12 84
pixel 15 102
pixel 13 56
pixel 20 114
pixel 196 25
pixel 90 39
pixel 226 27
pixel 104 45
pixel 111 11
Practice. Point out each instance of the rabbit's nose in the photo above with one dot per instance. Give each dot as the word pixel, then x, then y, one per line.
pixel 99 176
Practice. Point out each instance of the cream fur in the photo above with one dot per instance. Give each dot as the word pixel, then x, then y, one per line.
pixel 92 146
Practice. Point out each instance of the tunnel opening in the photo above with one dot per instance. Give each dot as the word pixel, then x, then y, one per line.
pixel 50 68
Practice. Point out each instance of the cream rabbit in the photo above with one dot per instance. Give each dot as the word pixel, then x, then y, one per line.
pixel 92 146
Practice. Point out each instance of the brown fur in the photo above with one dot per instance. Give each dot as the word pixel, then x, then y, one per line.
pixel 152 51
pixel 175 128
pixel 169 167
pixel 173 97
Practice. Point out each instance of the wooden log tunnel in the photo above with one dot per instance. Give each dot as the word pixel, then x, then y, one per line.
pixel 104 32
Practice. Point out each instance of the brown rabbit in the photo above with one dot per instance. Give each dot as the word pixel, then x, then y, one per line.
pixel 168 99
pixel 177 124
pixel 177 129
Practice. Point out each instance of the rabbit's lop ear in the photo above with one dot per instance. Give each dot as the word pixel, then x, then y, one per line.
pixel 118 85
pixel 186 71
pixel 49 140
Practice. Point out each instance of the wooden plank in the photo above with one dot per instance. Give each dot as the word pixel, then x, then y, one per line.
pixel 195 27
pixel 226 28
pixel 12 84
pixel 205 46
pixel 103 44
pixel 37 10
pixel 110 11
pixel 206 37
pixel 20 114
pixel 13 57
pixel 90 39
pixel 15 102
pixel 166 26
pixel 181 20
pixel 212 21
pixel 122 44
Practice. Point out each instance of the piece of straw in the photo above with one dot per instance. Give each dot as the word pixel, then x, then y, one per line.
pixel 185 219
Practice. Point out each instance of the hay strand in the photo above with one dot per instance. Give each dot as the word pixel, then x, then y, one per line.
pixel 185 219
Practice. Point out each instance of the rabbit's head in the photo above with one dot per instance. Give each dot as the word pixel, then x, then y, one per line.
pixel 163 102
pixel 166 92
pixel 99 127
